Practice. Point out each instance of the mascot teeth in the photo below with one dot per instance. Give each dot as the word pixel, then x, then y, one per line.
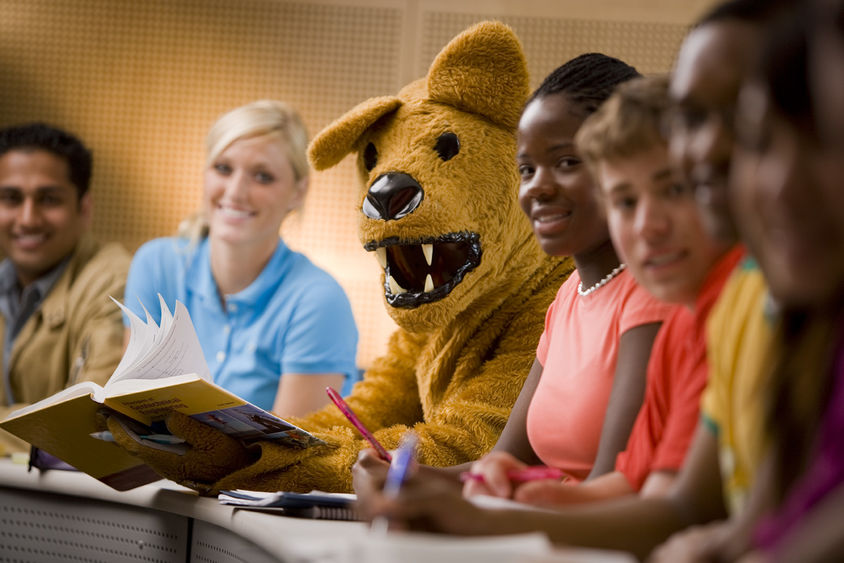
pixel 424 272
pixel 381 254
pixel 428 251
pixel 395 288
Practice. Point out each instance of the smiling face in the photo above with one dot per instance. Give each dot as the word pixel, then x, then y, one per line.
pixel 656 227
pixel 825 61
pixel 556 191
pixel 704 86
pixel 41 215
pixel 249 189
pixel 786 187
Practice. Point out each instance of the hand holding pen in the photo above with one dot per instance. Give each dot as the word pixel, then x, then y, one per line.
pixel 349 414
pixel 498 473
pixel 400 468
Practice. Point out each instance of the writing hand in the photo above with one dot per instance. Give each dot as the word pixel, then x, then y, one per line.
pixel 368 475
pixel 493 470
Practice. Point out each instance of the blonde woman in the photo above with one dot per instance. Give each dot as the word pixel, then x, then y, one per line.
pixel 275 329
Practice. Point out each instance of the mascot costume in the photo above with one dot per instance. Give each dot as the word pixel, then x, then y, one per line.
pixel 463 278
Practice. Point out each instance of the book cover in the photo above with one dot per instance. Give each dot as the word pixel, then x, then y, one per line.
pixel 64 430
pixel 162 370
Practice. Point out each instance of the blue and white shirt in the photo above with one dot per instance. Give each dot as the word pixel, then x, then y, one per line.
pixel 293 318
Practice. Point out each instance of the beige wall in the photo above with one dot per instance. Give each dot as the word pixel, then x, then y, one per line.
pixel 141 80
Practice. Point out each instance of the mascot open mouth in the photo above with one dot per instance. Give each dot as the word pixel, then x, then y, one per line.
pixel 426 270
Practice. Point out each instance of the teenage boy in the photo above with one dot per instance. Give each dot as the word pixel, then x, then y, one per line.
pixel 57 323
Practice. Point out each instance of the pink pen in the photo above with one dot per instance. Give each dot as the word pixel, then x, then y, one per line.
pixel 520 475
pixel 344 408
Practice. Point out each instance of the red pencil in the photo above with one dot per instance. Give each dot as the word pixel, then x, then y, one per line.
pixel 346 410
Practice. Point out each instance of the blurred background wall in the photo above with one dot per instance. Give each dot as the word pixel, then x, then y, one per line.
pixel 140 81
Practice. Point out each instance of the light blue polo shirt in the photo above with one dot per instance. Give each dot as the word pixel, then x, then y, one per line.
pixel 294 318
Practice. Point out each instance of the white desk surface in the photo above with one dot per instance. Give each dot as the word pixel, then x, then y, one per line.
pixel 292 538
pixel 299 539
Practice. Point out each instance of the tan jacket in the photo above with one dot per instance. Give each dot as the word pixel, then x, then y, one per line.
pixel 76 334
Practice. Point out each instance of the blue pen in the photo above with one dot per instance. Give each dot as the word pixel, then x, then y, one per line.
pixel 400 467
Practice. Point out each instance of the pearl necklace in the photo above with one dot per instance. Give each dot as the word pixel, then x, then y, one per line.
pixel 584 292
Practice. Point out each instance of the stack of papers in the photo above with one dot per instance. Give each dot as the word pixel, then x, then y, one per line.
pixel 316 504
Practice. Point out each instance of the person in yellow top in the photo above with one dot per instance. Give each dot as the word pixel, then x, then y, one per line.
pixel 740 331
pixel 57 323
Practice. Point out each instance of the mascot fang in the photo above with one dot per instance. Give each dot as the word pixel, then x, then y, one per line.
pixel 463 277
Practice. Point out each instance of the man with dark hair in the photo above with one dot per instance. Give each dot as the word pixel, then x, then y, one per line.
pixel 57 325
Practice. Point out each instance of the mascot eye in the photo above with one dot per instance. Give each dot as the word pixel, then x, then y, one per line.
pixel 448 145
pixel 370 157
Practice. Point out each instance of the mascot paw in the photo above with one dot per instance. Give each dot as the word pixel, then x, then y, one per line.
pixel 206 456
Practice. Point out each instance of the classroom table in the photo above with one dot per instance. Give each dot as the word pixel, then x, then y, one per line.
pixel 48 516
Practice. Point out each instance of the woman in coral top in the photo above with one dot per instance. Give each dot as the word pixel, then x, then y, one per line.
pixel 578 404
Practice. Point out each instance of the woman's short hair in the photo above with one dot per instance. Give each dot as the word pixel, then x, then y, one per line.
pixel 259 118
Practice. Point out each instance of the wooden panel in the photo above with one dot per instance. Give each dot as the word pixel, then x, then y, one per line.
pixel 141 81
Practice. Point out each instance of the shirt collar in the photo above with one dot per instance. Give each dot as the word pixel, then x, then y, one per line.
pixel 8 277
pixel 267 281
pixel 200 280
pixel 715 281
pixel 43 285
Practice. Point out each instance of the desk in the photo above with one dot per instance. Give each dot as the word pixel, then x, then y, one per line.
pixel 57 516
pixel 68 516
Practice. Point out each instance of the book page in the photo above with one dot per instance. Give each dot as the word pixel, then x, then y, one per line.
pixel 125 386
pixel 164 351
pixel 141 339
pixel 413 547
pixel 166 320
pixel 78 390
pixel 499 503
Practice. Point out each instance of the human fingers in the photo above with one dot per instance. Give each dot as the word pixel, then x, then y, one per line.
pixel 544 492
pixel 368 475
pixel 490 475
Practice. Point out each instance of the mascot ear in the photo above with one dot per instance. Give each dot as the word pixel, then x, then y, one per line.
pixel 482 71
pixel 338 139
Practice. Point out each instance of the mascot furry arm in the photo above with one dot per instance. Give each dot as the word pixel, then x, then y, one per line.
pixel 463 277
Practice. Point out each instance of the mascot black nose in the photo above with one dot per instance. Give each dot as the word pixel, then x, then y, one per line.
pixel 392 196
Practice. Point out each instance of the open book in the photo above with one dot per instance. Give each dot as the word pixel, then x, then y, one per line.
pixel 162 370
